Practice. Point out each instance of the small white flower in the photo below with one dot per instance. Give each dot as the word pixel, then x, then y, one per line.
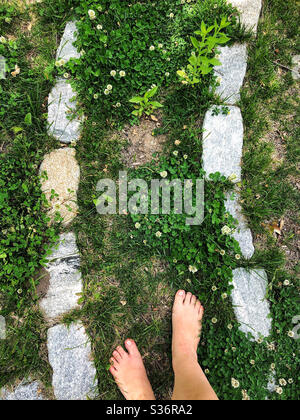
pixel 291 334
pixel 164 174
pixel 237 257
pixel 259 341
pixel 206 371
pixel 290 381
pixel 96 96
pixel 168 59
pixel 122 73
pixel 152 48
pixel 222 252
pixel 118 105
pixel 229 327
pixel 232 177
pixel 160 45
pixel 214 320
pixel 113 73
pixel 273 366
pixel 106 92
pixel 235 383
pixel 185 157
pixel 167 74
pixel 2 39
pixel 171 15
pixel 279 390
pixel 137 225
pixel 224 296
pixel 226 230
pixel 286 283
pixel 193 269
pixel 177 142
pixel 92 14
pixel 66 75
pixel 252 362
pixel 282 382
pixel 158 234
pixel 99 27
pixel 214 288
pixel 109 87
pixel 175 153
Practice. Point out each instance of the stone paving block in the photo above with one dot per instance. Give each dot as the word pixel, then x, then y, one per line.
pixel 23 392
pixel 242 234
pixel 251 307
pixel 65 283
pixel 66 49
pixel 232 72
pixel 63 175
pixel 250 12
pixel 223 142
pixel 296 67
pixel 70 357
pixel 61 107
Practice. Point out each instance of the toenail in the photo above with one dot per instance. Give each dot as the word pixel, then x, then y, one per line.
pixel 181 293
pixel 129 343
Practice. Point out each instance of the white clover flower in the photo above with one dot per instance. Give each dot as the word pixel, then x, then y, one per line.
pixel 122 73
pixel 252 362
pixel 214 320
pixel 168 59
pixel 153 86
pixel 2 39
pixel 259 341
pixel 160 46
pixel 96 96
pixel 82 52
pixel 279 390
pixel 177 142
pixel 109 87
pixel 182 1
pixel 185 157
pixel 99 27
pixel 66 75
pixel 171 15
pixel 206 371
pixel 214 288
pixel 282 382
pixel 137 225
pixel 145 242
pixel 224 296
pixel 245 395
pixel 118 105
pixel 164 174
pixel 291 334
pixel 237 257
pixel 226 230
pixel 222 252
pixel 290 381
pixel 92 14
pixel 175 153
pixel 271 346
pixel 286 283
pixel 164 51
pixel 167 74
pixel 106 92
pixel 158 234
pixel 235 383
pixel 152 48
pixel 113 73
pixel 273 366
pixel 193 269
pixel 233 349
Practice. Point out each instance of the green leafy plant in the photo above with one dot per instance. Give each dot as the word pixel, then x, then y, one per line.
pixel 203 60
pixel 143 103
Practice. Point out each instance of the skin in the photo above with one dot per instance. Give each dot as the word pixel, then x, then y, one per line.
pixel 128 369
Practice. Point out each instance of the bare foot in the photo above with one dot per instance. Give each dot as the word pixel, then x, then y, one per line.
pixel 187 324
pixel 130 374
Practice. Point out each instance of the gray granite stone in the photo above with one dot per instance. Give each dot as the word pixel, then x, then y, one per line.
pixel 61 106
pixel 2 328
pixel 74 374
pixel 296 67
pixel 242 234
pixel 65 284
pixel 23 392
pixel 232 72
pixel 251 307
pixel 250 12
pixel 66 49
pixel 223 142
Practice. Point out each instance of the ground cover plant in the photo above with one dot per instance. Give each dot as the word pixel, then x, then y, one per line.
pixel 131 271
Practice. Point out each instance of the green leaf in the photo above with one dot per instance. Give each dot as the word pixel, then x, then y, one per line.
pixel 136 100
pixel 28 119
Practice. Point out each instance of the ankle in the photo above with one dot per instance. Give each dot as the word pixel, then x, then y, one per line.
pixel 184 358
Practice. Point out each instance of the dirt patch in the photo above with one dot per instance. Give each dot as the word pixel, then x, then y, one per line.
pixel 44 283
pixel 277 138
pixel 289 241
pixel 142 143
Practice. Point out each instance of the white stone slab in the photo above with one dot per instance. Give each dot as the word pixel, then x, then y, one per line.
pixel 66 49
pixel 296 67
pixel 74 374
pixel 63 175
pixel 2 328
pixel 23 392
pixel 223 142
pixel 61 107
pixel 251 307
pixel 250 12
pixel 65 283
pixel 242 234
pixel 232 72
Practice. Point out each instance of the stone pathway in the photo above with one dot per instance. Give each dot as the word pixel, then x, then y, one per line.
pixel 222 152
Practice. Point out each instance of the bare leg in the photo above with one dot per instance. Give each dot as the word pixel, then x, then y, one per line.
pixel 190 380
pixel 130 374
